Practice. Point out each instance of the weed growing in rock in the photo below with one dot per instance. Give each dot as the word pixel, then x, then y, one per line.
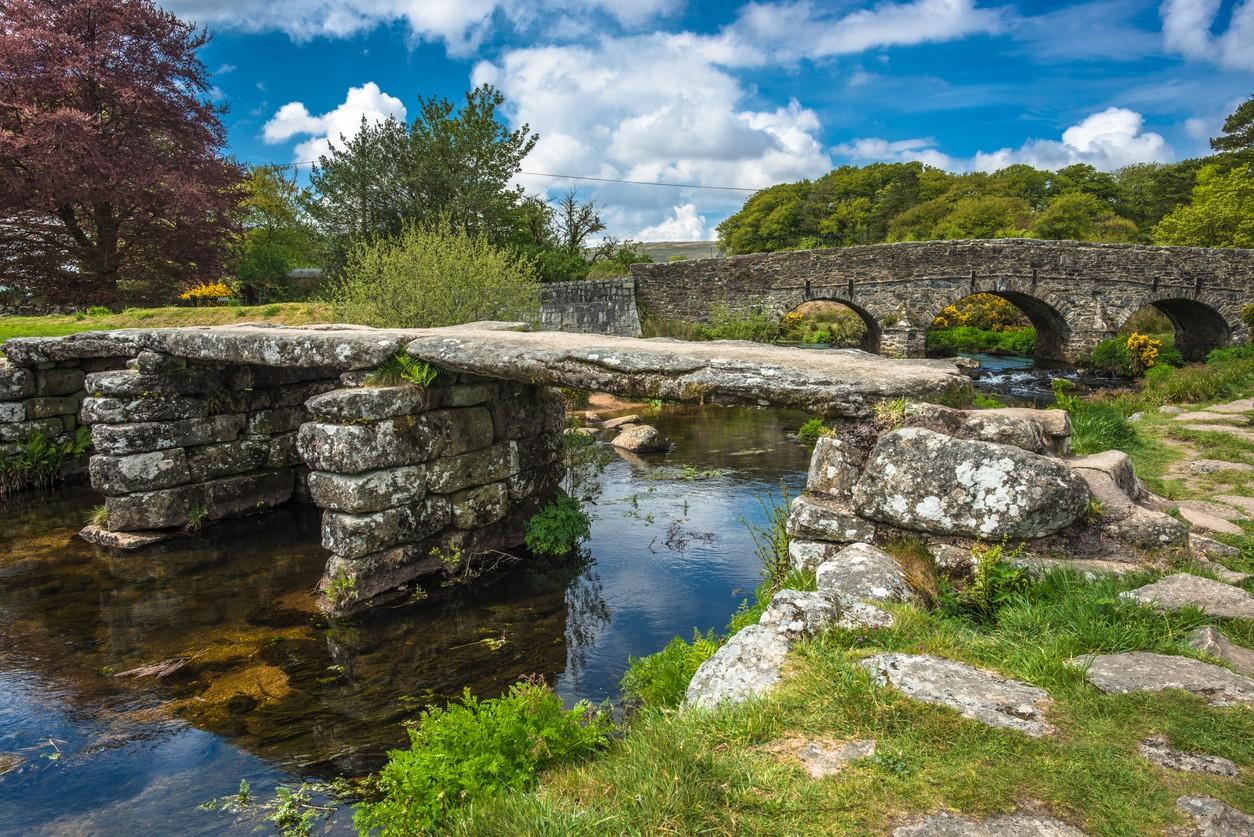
pixel 558 528
pixel 342 591
pixel 995 582
pixel 39 460
pixel 770 540
pixel 400 368
pixel 812 430
pixel 475 750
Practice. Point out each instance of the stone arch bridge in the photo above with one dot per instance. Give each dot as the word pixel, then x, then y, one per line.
pixel 1075 294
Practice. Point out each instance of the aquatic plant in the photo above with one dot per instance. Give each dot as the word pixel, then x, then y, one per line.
pixel 558 528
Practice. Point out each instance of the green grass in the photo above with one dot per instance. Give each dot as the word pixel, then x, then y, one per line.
pixel 286 313
pixel 696 772
pixel 1010 341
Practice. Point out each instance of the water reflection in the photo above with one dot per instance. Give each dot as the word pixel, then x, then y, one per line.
pixel 258 686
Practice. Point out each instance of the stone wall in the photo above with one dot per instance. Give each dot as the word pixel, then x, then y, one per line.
pixel 596 306
pixel 418 482
pixel 178 442
pixel 1076 294
pixel 44 399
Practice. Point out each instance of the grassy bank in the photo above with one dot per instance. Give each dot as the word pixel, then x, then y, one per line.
pixel 101 319
pixel 1007 341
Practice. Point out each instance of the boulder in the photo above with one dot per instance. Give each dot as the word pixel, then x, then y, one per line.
pixel 1212 818
pixel 369 492
pixel 746 666
pixel 797 613
pixel 641 438
pixel 974 693
pixel 815 517
pixel 860 572
pixel 1213 642
pixel 860 615
pixel 808 555
pixel 614 423
pixel 1214 598
pixel 353 448
pixel 925 481
pixel 1159 751
pixel 945 824
pixel 1143 671
pixel 834 467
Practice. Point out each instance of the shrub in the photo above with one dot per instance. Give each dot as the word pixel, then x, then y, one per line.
pixel 206 292
pixel 558 528
pixel 726 324
pixel 1013 341
pixel 660 680
pixel 434 275
pixel 39 460
pixel 1142 352
pixel 473 750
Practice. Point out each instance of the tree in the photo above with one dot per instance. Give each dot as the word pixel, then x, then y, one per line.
pixel 575 222
pixel 450 164
pixel 771 219
pixel 988 216
pixel 277 234
pixel 1238 136
pixel 1221 214
pixel 114 181
pixel 1075 215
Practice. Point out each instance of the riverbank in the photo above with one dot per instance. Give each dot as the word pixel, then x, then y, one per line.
pixel 101 319
pixel 894 761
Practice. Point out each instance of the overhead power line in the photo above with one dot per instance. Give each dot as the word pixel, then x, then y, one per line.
pixel 300 163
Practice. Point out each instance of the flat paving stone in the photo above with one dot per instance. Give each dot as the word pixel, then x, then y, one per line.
pixel 1243 504
pixel 1241 405
pixel 1159 751
pixel 1212 818
pixel 1143 671
pixel 946 824
pixel 1208 417
pixel 1214 598
pixel 1215 466
pixel 974 693
pixel 1210 640
pixel 1207 520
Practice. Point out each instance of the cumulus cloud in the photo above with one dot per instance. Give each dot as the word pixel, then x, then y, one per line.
pixel 324 131
pixel 684 224
pixel 804 29
pixel 615 110
pixel 1107 140
pixel 460 24
pixel 1187 30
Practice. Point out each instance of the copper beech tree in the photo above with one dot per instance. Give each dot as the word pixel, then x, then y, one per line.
pixel 112 180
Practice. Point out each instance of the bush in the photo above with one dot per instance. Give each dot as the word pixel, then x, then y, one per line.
pixel 660 680
pixel 558 528
pixel 474 750
pixel 726 324
pixel 1011 341
pixel 434 275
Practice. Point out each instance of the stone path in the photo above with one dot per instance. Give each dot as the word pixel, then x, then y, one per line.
pixel 1010 825
pixel 1214 598
pixel 1143 671
pixel 1159 751
pixel 1212 818
pixel 974 693
pixel 1210 640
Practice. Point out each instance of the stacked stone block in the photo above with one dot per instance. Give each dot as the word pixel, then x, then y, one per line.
pixel 178 442
pixel 416 482
pixel 43 398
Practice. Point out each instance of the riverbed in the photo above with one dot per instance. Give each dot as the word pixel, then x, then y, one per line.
pixel 135 687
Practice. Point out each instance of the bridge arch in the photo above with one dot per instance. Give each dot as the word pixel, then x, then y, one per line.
pixel 1199 325
pixel 1047 313
pixel 874 331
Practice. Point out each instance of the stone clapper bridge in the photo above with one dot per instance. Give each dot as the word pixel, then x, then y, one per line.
pixel 201 424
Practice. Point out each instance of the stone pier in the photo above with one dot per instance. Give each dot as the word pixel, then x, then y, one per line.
pixel 196 425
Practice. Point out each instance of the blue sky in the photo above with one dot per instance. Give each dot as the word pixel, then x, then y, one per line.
pixel 741 94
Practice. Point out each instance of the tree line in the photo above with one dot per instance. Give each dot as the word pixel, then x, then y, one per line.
pixel 1203 202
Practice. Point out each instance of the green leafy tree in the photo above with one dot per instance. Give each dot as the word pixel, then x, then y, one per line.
pixel 1080 216
pixel 1237 138
pixel 770 220
pixel 1220 215
pixel 987 216
pixel 278 235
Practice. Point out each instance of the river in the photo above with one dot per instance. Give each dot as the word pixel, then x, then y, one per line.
pixel 270 692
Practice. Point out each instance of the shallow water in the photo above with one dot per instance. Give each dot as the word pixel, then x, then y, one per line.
pixel 270 691
pixel 1027 381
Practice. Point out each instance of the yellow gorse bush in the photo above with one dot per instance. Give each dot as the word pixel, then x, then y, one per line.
pixel 206 290
pixel 1142 351
pixel 980 311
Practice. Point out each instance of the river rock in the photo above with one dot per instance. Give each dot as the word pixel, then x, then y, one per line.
pixel 1214 598
pixel 121 540
pixel 615 423
pixel 797 613
pixel 1212 641
pixel 925 481
pixel 946 824
pixel 369 492
pixel 641 438
pixel 860 572
pixel 746 666
pixel 974 693
pixel 815 517
pixel 834 467
pixel 1212 818
pixel 1143 671
pixel 1159 751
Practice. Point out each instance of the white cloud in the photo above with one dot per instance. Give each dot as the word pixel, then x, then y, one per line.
pixel 460 24
pixel 683 225
pixel 324 131
pixel 1187 28
pixel 657 108
pixel 804 29
pixel 1107 140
